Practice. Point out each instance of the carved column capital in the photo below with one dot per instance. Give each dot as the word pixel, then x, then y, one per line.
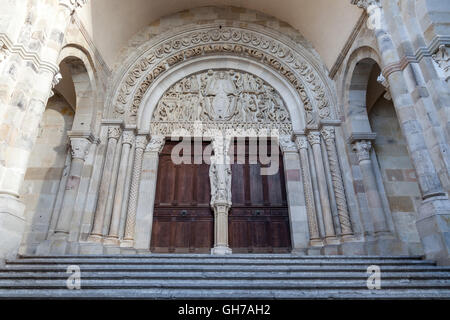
pixel 442 60
pixel 328 134
pixel 366 4
pixel 301 142
pixel 56 79
pixel 362 149
pixel 72 5
pixel 141 142
pixel 114 132
pixel 156 144
pixel 314 137
pixel 79 148
pixel 128 137
pixel 287 145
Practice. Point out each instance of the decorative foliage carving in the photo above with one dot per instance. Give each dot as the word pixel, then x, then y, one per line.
pixel 114 132
pixel 227 97
pixel 128 137
pixel 227 41
pixel 287 145
pixel 156 144
pixel 362 149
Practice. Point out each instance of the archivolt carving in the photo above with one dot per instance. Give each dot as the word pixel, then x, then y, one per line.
pixel 227 41
pixel 226 97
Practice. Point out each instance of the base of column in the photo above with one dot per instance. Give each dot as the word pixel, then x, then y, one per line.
pixel 12 225
pixel 332 241
pixel 111 241
pixel 221 250
pixel 433 226
pixel 127 243
pixel 95 238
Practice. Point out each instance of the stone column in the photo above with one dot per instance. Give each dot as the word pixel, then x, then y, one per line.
pixel 315 141
pixel 220 177
pixel 362 149
pixel 114 133
pixel 113 236
pixel 328 135
pixel 146 194
pixel 79 150
pixel 141 143
pixel 434 212
pixel 302 146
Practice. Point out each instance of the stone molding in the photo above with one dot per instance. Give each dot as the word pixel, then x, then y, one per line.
pixel 290 61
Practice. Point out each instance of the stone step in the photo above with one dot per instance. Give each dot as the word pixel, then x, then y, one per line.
pixel 207 260
pixel 208 284
pixel 225 275
pixel 187 294
pixel 230 268
pixel 218 257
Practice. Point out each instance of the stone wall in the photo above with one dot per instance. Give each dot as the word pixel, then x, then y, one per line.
pixel 398 175
pixel 46 166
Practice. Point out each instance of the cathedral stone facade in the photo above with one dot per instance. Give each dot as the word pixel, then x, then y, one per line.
pixel 356 122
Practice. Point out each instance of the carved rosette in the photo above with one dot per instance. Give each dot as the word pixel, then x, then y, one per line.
pixel 248 43
pixel 156 144
pixel 362 149
pixel 328 134
pixel 79 148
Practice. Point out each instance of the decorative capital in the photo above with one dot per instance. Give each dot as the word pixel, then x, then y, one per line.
pixel 365 4
pixel 114 132
pixel 301 142
pixel 362 149
pixel 56 79
pixel 314 137
pixel 328 134
pixel 287 145
pixel 442 59
pixel 79 148
pixel 383 81
pixel 156 144
pixel 72 5
pixel 141 142
pixel 128 137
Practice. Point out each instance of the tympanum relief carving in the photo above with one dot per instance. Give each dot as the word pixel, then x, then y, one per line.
pixel 221 99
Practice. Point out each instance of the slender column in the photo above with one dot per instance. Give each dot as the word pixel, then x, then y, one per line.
pixel 314 140
pixel 79 150
pixel 302 146
pixel 127 141
pixel 362 149
pixel 141 143
pixel 338 185
pixel 220 177
pixel 114 133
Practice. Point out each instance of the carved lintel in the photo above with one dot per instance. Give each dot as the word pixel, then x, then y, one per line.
pixel 442 60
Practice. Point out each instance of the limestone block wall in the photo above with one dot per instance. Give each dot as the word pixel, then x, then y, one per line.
pixel 398 175
pixel 47 165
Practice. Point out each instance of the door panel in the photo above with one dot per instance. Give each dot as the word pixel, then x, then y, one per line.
pixel 182 220
pixel 259 219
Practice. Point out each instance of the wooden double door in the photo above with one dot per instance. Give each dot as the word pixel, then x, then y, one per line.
pixel 183 220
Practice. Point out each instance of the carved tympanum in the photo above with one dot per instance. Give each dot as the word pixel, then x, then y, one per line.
pixel 229 98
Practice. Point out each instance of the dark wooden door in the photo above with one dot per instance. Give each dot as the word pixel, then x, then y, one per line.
pixel 259 219
pixel 182 220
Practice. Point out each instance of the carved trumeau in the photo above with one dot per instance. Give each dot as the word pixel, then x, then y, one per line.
pixel 229 99
pixel 220 173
